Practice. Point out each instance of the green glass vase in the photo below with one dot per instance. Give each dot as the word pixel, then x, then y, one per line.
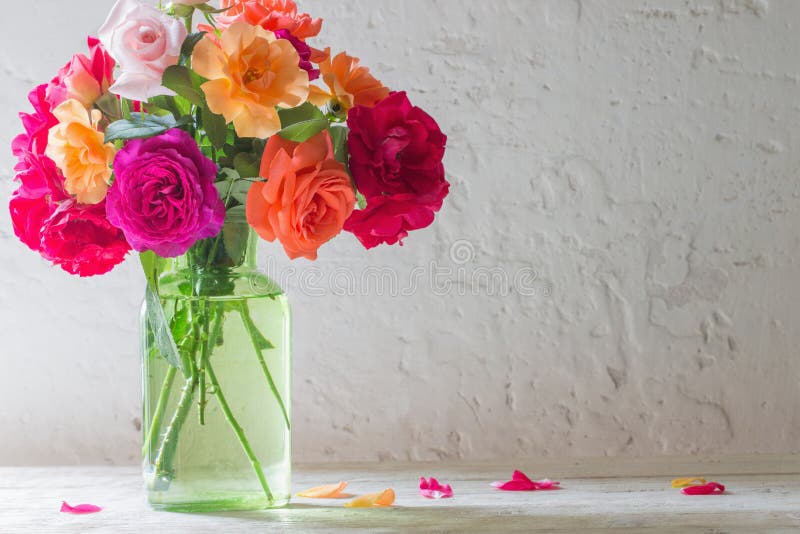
pixel 216 353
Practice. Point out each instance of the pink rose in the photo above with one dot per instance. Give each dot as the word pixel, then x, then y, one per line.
pixel 80 240
pixel 84 78
pixel 144 41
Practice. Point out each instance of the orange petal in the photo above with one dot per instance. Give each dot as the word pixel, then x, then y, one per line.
pixel 329 491
pixel 375 500
pixel 686 482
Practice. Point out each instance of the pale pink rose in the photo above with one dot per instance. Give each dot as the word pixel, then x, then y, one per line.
pixel 189 2
pixel 144 42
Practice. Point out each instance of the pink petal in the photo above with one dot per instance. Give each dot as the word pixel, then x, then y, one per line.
pixel 432 489
pixel 712 488
pixel 520 482
pixel 519 476
pixel 79 509
pixel 547 484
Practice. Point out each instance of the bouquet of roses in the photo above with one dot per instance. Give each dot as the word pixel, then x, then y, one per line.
pixel 164 131
pixel 175 140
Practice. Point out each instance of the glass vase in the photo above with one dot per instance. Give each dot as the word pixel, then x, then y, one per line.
pixel 216 353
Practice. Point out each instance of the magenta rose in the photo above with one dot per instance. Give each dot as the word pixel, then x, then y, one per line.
pixel 397 148
pixel 163 197
pixel 388 219
pixel 80 239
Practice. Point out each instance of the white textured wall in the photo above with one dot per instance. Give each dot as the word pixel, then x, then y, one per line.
pixel 638 155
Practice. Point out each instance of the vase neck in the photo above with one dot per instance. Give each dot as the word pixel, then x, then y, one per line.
pixel 235 248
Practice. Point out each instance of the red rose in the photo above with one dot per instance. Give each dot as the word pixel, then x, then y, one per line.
pixel 397 148
pixel 81 241
pixel 396 153
pixel 388 219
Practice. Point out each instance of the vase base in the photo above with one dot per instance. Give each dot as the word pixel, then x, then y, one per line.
pixel 236 504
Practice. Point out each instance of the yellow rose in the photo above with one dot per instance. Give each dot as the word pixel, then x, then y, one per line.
pixel 250 72
pixel 76 146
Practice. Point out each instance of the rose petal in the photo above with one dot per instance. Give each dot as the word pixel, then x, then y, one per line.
pixel 712 488
pixel 432 489
pixel 690 481
pixel 375 500
pixel 79 509
pixel 329 491
pixel 547 484
pixel 521 482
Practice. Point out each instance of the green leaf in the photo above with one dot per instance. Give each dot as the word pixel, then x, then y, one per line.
pixel 149 261
pixel 339 137
pixel 140 126
pixel 188 46
pixel 305 112
pixel 215 126
pixel 180 79
pixel 236 214
pixel 247 165
pixel 167 103
pixel 110 106
pixel 162 336
pixel 258 338
pixel 303 131
pixel 361 200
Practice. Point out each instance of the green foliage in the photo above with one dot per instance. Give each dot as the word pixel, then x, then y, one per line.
pixel 141 125
pixel 215 126
pixel 303 131
pixel 186 83
pixel 305 112
pixel 248 165
pixel 339 138
pixel 188 47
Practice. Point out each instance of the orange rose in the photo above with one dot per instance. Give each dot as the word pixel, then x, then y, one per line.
pixel 250 72
pixel 306 199
pixel 271 15
pixel 349 84
pixel 76 147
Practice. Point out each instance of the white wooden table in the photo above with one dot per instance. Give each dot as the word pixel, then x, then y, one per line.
pixel 598 496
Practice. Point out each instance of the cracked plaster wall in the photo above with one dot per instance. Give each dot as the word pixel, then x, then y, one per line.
pixel 638 155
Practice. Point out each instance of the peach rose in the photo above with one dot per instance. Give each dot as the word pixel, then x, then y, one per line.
pixel 76 147
pixel 250 73
pixel 349 84
pixel 306 199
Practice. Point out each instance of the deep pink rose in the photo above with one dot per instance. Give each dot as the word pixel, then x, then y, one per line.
pixel 397 148
pixel 79 239
pixel 84 78
pixel 36 124
pixel 303 50
pixel 163 197
pixel 41 187
pixel 388 219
